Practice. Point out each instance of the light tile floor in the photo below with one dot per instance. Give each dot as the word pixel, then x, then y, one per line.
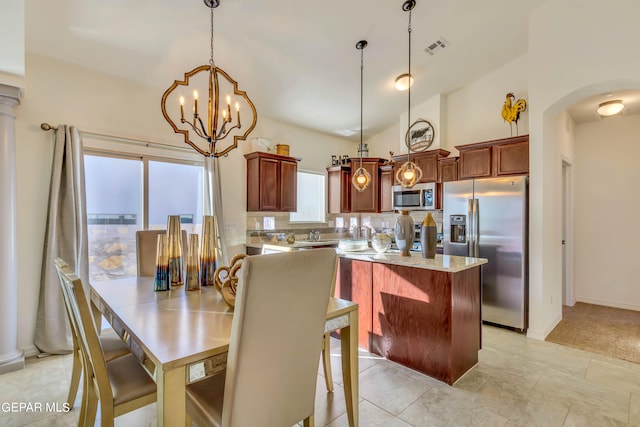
pixel 518 381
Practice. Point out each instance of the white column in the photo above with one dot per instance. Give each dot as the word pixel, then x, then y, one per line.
pixel 11 358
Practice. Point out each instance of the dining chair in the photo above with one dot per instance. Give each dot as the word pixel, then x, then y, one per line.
pixel 112 345
pixel 120 385
pixel 326 339
pixel 276 332
pixel 146 245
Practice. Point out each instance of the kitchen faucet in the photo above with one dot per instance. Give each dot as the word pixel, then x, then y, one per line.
pixel 314 236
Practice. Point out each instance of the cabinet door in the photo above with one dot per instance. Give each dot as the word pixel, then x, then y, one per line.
pixel 338 189
pixel 354 283
pixel 448 169
pixel 386 193
pixel 269 188
pixel 288 186
pixel 512 159
pixel 429 166
pixel 475 163
pixel 369 199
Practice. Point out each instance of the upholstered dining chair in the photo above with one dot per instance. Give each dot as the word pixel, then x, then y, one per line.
pixel 276 332
pixel 326 340
pixel 112 345
pixel 146 245
pixel 120 385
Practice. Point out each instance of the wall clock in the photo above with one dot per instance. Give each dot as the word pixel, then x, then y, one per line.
pixel 420 135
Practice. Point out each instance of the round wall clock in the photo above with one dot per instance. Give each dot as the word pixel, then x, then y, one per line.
pixel 420 135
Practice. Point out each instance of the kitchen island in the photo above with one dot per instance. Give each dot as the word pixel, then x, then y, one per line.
pixel 422 313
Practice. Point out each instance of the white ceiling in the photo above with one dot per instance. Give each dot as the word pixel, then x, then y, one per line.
pixel 296 60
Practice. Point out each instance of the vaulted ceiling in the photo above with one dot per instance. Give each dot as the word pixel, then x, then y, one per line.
pixel 296 59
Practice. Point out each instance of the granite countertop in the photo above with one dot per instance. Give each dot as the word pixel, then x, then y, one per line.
pixel 448 263
pixel 298 244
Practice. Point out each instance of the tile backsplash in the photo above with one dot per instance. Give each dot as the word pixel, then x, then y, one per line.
pixel 263 227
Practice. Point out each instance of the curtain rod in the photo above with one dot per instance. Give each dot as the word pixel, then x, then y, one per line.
pixel 47 127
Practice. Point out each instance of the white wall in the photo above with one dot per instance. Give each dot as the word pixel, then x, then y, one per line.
pixel 60 93
pixel 474 111
pixel 606 205
pixel 12 43
pixel 577 48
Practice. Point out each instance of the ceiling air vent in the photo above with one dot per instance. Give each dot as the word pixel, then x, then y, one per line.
pixel 436 46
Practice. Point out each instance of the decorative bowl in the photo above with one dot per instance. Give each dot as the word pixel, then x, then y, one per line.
pixel 381 242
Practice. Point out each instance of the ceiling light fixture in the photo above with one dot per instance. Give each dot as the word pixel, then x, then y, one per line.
pixel 403 82
pixel 361 177
pixel 219 121
pixel 610 108
pixel 409 173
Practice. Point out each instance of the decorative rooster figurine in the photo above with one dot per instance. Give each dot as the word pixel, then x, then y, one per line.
pixel 511 113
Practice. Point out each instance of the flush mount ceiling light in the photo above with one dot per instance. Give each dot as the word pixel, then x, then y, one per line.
pixel 409 173
pixel 204 133
pixel 610 108
pixel 361 177
pixel 403 82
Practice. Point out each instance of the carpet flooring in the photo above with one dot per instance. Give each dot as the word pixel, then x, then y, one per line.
pixel 609 331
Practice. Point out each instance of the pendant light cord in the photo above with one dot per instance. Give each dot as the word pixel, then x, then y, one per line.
pixel 361 100
pixel 409 96
pixel 211 61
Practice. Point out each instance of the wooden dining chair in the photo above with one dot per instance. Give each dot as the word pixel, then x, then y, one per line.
pixel 112 345
pixel 326 339
pixel 120 385
pixel 276 332
pixel 146 245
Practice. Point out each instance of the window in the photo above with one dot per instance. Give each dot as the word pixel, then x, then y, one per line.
pixel 119 204
pixel 311 198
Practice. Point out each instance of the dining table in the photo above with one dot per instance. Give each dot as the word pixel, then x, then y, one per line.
pixel 182 336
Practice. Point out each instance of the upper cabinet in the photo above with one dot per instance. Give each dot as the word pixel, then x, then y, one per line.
pixel 342 197
pixel 369 199
pixel 508 156
pixel 271 182
pixel 386 192
pixel 427 161
pixel 448 169
pixel 339 189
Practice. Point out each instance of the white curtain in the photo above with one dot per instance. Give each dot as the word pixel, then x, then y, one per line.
pixel 213 204
pixel 66 237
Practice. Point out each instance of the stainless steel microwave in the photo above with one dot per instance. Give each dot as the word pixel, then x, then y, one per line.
pixel 418 197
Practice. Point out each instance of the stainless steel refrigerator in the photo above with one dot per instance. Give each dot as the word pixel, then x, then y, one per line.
pixel 487 218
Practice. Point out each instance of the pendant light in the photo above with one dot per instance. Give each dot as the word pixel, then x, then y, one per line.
pixel 361 178
pixel 409 173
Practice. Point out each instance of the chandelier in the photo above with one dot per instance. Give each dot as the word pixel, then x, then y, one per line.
pixel 409 173
pixel 207 127
pixel 361 177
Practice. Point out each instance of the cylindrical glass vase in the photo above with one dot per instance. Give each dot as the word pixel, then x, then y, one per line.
pixel 428 237
pixel 161 279
pixel 174 243
pixel 208 252
pixel 405 233
pixel 192 275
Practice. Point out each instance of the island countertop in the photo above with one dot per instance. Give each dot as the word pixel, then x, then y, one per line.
pixel 446 263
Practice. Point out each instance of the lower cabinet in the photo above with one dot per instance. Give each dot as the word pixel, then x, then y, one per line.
pixel 427 320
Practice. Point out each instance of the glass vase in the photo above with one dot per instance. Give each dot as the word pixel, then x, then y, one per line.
pixel 174 243
pixel 208 252
pixel 161 279
pixel 192 275
pixel 405 233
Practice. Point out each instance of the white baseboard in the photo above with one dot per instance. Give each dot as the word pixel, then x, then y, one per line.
pixel 608 303
pixel 542 334
pixel 30 351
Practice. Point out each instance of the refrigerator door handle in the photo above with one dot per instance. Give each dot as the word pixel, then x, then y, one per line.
pixel 471 229
pixel 476 228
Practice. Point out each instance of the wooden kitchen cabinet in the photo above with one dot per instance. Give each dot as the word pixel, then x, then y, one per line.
pixel 386 192
pixel 427 161
pixel 369 199
pixel 339 189
pixel 508 156
pixel 354 282
pixel 448 169
pixel 271 182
